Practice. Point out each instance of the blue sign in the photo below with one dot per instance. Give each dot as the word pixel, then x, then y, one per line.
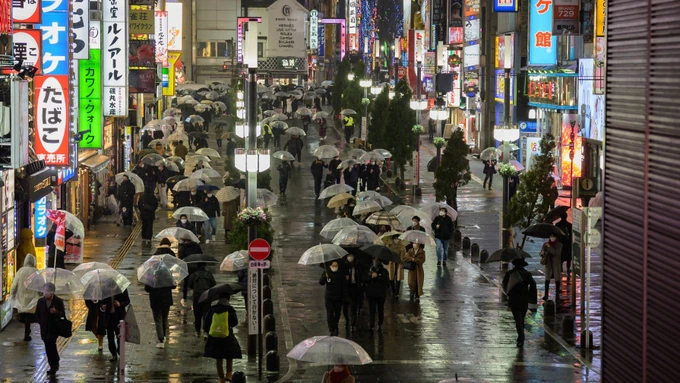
pixel 55 43
pixel 322 39
pixel 505 5
pixel 499 91
pixel 542 43
pixel 528 127
pixel 40 218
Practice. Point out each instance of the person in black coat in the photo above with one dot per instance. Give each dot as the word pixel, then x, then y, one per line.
pixel 443 226
pixel 52 251
pixel 355 291
pixel 146 139
pixel 211 207
pixel 566 228
pixel 333 168
pixel 186 248
pixel 520 287
pixel 199 281
pixel 92 322
pixel 364 173
pixel 294 146
pixel 377 280
pixel 126 199
pixel 415 225
pixel 489 171
pixel 513 183
pixel 336 290
pixel 148 174
pixel 163 174
pixel 220 347
pixel 184 223
pixel 147 213
pixel 47 312
pixel 284 169
pixel 317 172
pixel 112 311
pixel 164 248
pixel 354 178
pixel 161 300
pixel 373 181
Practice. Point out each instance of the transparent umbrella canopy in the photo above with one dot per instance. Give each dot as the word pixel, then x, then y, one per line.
pixel 417 236
pixel 266 198
pixel 330 350
pixel 86 267
pixel 205 173
pixel 187 184
pixel 228 194
pixel 332 228
pixel 101 284
pixel 335 190
pixel 323 253
pixel 177 233
pixel 194 214
pixel 235 261
pixel 433 209
pixel 355 236
pixel 67 284
pixel 135 179
pixel 326 151
pixel 162 271
pixel 366 207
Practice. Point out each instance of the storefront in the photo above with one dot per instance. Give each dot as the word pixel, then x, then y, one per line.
pixel 94 175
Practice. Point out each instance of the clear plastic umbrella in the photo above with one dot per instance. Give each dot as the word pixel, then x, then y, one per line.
pixel 326 151
pixel 383 152
pixel 321 254
pixel 371 156
pixel 235 261
pixel 74 224
pixel 335 190
pixel 347 112
pixel 153 143
pixel 365 207
pixel 220 105
pixel 380 199
pixel 67 284
pixel 194 214
pixel 355 236
pixel 194 118
pixel 168 164
pixel 268 113
pixel 187 184
pixel 228 194
pixel 179 136
pixel 368 194
pixel 329 350
pixel 433 209
pixel 210 152
pixel 194 158
pixel 488 153
pixel 356 153
pixel 279 117
pixel 170 112
pixel 384 218
pixel 347 164
pixel 411 211
pixel 102 284
pixel 265 198
pixel 295 131
pixel 177 160
pixel 83 268
pixel 339 200
pixel 162 271
pixel 177 233
pixel 304 112
pixel 280 125
pixel 152 158
pixel 206 172
pixel 283 155
pixel 417 236
pixel 135 179
pixel 319 115
pixel 320 91
pixel 335 226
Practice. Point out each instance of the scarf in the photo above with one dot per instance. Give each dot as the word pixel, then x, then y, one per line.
pixel 552 244
pixel 338 377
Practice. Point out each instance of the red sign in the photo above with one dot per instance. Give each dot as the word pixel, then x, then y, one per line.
pixel 26 11
pixel 456 35
pixel 5 17
pixel 566 12
pixel 59 219
pixel 259 249
pixel 52 119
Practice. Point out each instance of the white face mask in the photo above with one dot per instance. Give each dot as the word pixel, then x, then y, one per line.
pixel 442 213
pixel 184 220
pixel 415 223
pixel 334 269
pixel 209 195
pixel 193 193
pixel 350 258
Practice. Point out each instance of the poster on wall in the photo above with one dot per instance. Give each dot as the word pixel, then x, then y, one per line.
pixel 161 37
pixel 52 122
pixel 142 54
pixel 591 106
pixel 174 26
pixel 286 35
pixel 143 81
pixel 115 62
pixel 533 148
pixel 570 168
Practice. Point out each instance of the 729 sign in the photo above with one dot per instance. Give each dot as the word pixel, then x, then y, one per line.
pixel 566 12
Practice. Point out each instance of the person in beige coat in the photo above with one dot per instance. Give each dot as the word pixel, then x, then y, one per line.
pixel 551 258
pixel 396 270
pixel 415 277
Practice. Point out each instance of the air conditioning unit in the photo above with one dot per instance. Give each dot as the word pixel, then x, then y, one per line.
pixel 95 15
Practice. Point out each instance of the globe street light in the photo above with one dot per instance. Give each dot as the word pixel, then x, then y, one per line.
pixel 350 76
pixel 439 115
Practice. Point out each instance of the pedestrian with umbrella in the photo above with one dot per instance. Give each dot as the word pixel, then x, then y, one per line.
pixel 520 287
pixel 200 281
pixel 294 146
pixel 284 169
pixel 147 208
pixel 163 175
pixel 267 134
pixel 373 180
pixel 565 239
pixel 551 258
pixel 23 299
pixel 211 207
pixel 376 280
pixel 180 150
pixel 355 291
pixel 336 290
pixel 331 350
pixel 442 226
pixel 49 310
pixel 277 132
pixel 395 269
pixel 126 198
pixel 317 172
pixel 184 223
pixel 219 324
pixel 413 261
pixel 218 130
pixel 164 248
pixel 333 168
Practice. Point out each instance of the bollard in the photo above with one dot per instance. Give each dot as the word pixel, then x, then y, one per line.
pixel 267 307
pixel 238 377
pixel 272 363
pixel 466 243
pixel 266 292
pixel 269 323
pixel 457 236
pixel 568 326
pixel 483 256
pixel 586 334
pixel 265 279
pixel 271 341
pixel 549 310
pixel 474 250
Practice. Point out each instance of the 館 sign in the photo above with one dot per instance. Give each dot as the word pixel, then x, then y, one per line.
pixel 286 34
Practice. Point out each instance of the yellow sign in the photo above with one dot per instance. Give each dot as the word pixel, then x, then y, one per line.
pixel 40 258
pixel 600 17
pixel 141 21
pixel 168 79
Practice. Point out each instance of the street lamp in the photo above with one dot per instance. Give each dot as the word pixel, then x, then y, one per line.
pixel 350 76
pixel 365 83
pixel 241 113
pixel 439 115
pixel 418 105
pixel 391 94
pixel 376 89
pixel 242 129
pixel 252 160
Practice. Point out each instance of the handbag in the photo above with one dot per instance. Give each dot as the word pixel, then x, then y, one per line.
pixel 544 260
pixel 408 265
pixel 64 327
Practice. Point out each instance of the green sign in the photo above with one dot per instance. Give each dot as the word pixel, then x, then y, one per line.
pixel 90 95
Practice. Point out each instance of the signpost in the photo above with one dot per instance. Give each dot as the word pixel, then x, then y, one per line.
pixel 258 249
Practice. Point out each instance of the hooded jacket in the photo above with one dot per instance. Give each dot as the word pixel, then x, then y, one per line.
pixel 21 298
pixel 25 247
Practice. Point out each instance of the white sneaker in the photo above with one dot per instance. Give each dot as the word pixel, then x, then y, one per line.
pixel 207 240
pixel 160 345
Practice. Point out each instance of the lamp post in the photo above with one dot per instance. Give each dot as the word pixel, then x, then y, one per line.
pixel 439 115
pixel 506 134
pixel 418 105
pixel 365 83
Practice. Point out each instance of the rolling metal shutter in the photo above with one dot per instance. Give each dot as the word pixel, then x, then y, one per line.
pixel 641 271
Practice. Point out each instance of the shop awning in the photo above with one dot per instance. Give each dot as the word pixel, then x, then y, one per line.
pixel 96 163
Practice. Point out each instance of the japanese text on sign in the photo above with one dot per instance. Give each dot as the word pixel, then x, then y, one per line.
pixel 542 43
pixel 51 115
pixel 141 20
pixel 90 90
pixel 161 35
pixel 26 11
pixel 40 218
pixel 115 58
pixel 81 28
pixel 313 29
pixel 55 38
pixel 26 47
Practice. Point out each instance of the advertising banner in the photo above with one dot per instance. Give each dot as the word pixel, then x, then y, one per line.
pixel 55 39
pixel 143 81
pixel 456 35
pixel 142 54
pixel 26 47
pixel 600 17
pixel 141 20
pixel 499 93
pixel 115 58
pixel 286 29
pixel 40 218
pixel 168 74
pixel 322 40
pixel 6 21
pixel 570 146
pixel 352 25
pixel 26 12
pixel 90 97
pixel 533 148
pixel 313 29
pixel 161 37
pixel 51 119
pixel 80 28
pixel 174 26
pixel 542 43
pixel 505 5
pixel 591 106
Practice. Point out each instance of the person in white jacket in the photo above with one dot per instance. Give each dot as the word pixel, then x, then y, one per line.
pixel 23 299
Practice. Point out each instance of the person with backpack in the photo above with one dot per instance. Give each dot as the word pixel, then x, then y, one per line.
pixel 199 281
pixel 221 344
pixel 520 287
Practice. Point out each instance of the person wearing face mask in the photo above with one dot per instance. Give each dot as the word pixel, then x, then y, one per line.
pixel 336 290
pixel 395 270
pixel 211 207
pixel 197 198
pixel 551 254
pixel 184 223
pixel 416 276
pixel 355 289
pixel 47 312
pixel 340 373
pixel 443 231
pixel 376 280
pixel 415 225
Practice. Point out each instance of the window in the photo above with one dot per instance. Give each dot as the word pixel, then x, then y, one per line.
pixel 212 49
pixel 260 49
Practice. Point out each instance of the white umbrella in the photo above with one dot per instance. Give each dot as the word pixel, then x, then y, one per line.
pixel 205 172
pixel 283 155
pixel 168 164
pixel 375 156
pixel 194 214
pixel 335 226
pixel 265 198
pixel 365 207
pixel 319 115
pixel 326 151
pixel 178 136
pixel 321 254
pixel 380 199
pixel 383 152
pixel 187 184
pixel 228 194
pixel 433 209
pixel 320 91
pixel 194 158
pixel 177 233
pixel 347 164
pixel 368 194
pixel 102 284
pixel 153 143
pixel 411 211
pixel 356 153
pixel 355 236
pixel 135 179
pixel 347 112
pixel 279 117
pixel 303 112
pixel 295 131
pixel 417 236
pixel 235 261
pixel 210 152
pixel 335 190
pixel 327 83
pixel 329 350
pixel 162 271
pixel 86 267
pixel 67 284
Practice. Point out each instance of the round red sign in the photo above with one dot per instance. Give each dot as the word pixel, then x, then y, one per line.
pixel 259 249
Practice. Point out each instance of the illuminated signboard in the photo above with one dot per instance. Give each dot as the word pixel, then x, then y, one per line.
pixel 115 57
pixel 90 98
pixel 505 5
pixel 542 43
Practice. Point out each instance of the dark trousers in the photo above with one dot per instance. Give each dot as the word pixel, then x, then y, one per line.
pixel 51 351
pixel 283 184
pixel 112 336
pixel 147 229
pixel 160 318
pixel 317 183
pixel 267 138
pixel 379 305
pixel 519 316
pixel 277 142
pixel 27 318
pixel 219 144
pixel 352 305
pixel 337 174
pixel 127 219
pixel 333 309
pixel 557 288
pixel 348 133
pixel 489 177
pixel 199 310
pixel 298 155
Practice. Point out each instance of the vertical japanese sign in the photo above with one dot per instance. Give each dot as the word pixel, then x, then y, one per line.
pixel 161 35
pixel 174 26
pixel 600 45
pixel 90 89
pixel 26 47
pixel 472 35
pixel 55 47
pixel 80 28
pixel 352 25
pixel 505 5
pixel 6 17
pixel 168 79
pixel 141 20
pixel 322 39
pixel 313 29
pixel 542 43
pixel 40 218
pixel 26 11
pixel 51 119
pixel 115 57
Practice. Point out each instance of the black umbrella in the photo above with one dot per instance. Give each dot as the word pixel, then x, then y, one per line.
pixel 555 213
pixel 207 187
pixel 508 254
pixel 200 258
pixel 214 293
pixel 543 230
pixel 381 252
